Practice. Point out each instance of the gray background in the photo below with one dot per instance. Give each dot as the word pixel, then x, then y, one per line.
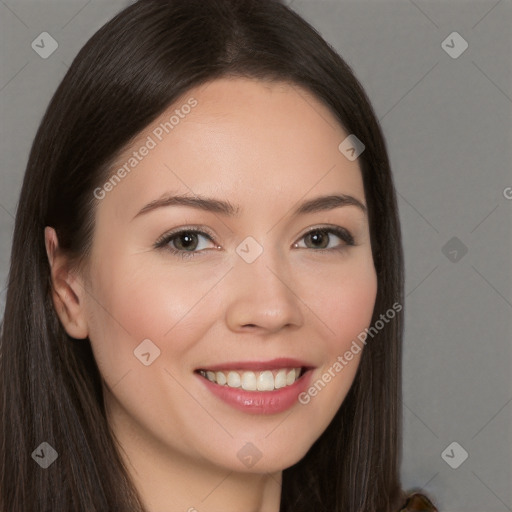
pixel 447 122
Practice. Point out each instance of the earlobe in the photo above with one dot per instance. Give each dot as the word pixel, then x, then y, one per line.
pixel 67 289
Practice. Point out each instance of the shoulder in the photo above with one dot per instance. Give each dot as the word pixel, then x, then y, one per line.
pixel 417 502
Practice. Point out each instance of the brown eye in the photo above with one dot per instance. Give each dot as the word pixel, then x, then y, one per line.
pixel 185 242
pixel 320 238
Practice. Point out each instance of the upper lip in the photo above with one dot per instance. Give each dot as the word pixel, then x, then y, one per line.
pixel 273 364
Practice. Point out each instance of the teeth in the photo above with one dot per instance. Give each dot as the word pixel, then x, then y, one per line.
pixel 280 379
pixel 233 380
pixel 251 381
pixel 290 377
pixel 265 381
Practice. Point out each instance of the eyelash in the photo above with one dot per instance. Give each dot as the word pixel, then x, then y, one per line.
pixel 165 239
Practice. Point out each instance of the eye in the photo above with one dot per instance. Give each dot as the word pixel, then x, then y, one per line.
pixel 320 238
pixel 185 242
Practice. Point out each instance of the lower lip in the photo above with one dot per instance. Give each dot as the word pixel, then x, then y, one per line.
pixel 260 402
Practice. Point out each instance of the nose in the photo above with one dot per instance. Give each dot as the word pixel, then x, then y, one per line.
pixel 262 296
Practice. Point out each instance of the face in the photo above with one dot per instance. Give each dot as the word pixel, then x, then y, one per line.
pixel 243 288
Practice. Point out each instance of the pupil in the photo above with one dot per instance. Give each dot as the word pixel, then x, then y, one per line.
pixel 318 235
pixel 189 238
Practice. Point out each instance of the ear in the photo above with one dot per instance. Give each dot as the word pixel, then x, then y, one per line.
pixel 68 292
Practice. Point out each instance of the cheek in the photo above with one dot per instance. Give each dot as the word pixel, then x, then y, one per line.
pixel 351 311
pixel 345 305
pixel 131 303
pixel 123 312
pixel 344 301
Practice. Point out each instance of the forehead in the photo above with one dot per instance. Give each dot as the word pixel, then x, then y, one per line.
pixel 237 138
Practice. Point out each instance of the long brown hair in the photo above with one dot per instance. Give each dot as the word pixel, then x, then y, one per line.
pixel 127 74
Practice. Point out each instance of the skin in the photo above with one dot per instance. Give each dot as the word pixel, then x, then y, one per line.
pixel 264 147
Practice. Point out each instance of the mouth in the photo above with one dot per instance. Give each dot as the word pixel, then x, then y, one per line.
pixel 258 387
pixel 253 380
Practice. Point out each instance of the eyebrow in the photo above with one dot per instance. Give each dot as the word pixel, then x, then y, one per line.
pixel 318 204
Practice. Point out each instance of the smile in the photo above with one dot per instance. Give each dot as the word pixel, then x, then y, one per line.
pixel 267 380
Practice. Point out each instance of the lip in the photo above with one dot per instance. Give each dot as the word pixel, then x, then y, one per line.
pixel 256 366
pixel 260 402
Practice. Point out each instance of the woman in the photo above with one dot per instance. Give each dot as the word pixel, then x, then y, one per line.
pixel 174 339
